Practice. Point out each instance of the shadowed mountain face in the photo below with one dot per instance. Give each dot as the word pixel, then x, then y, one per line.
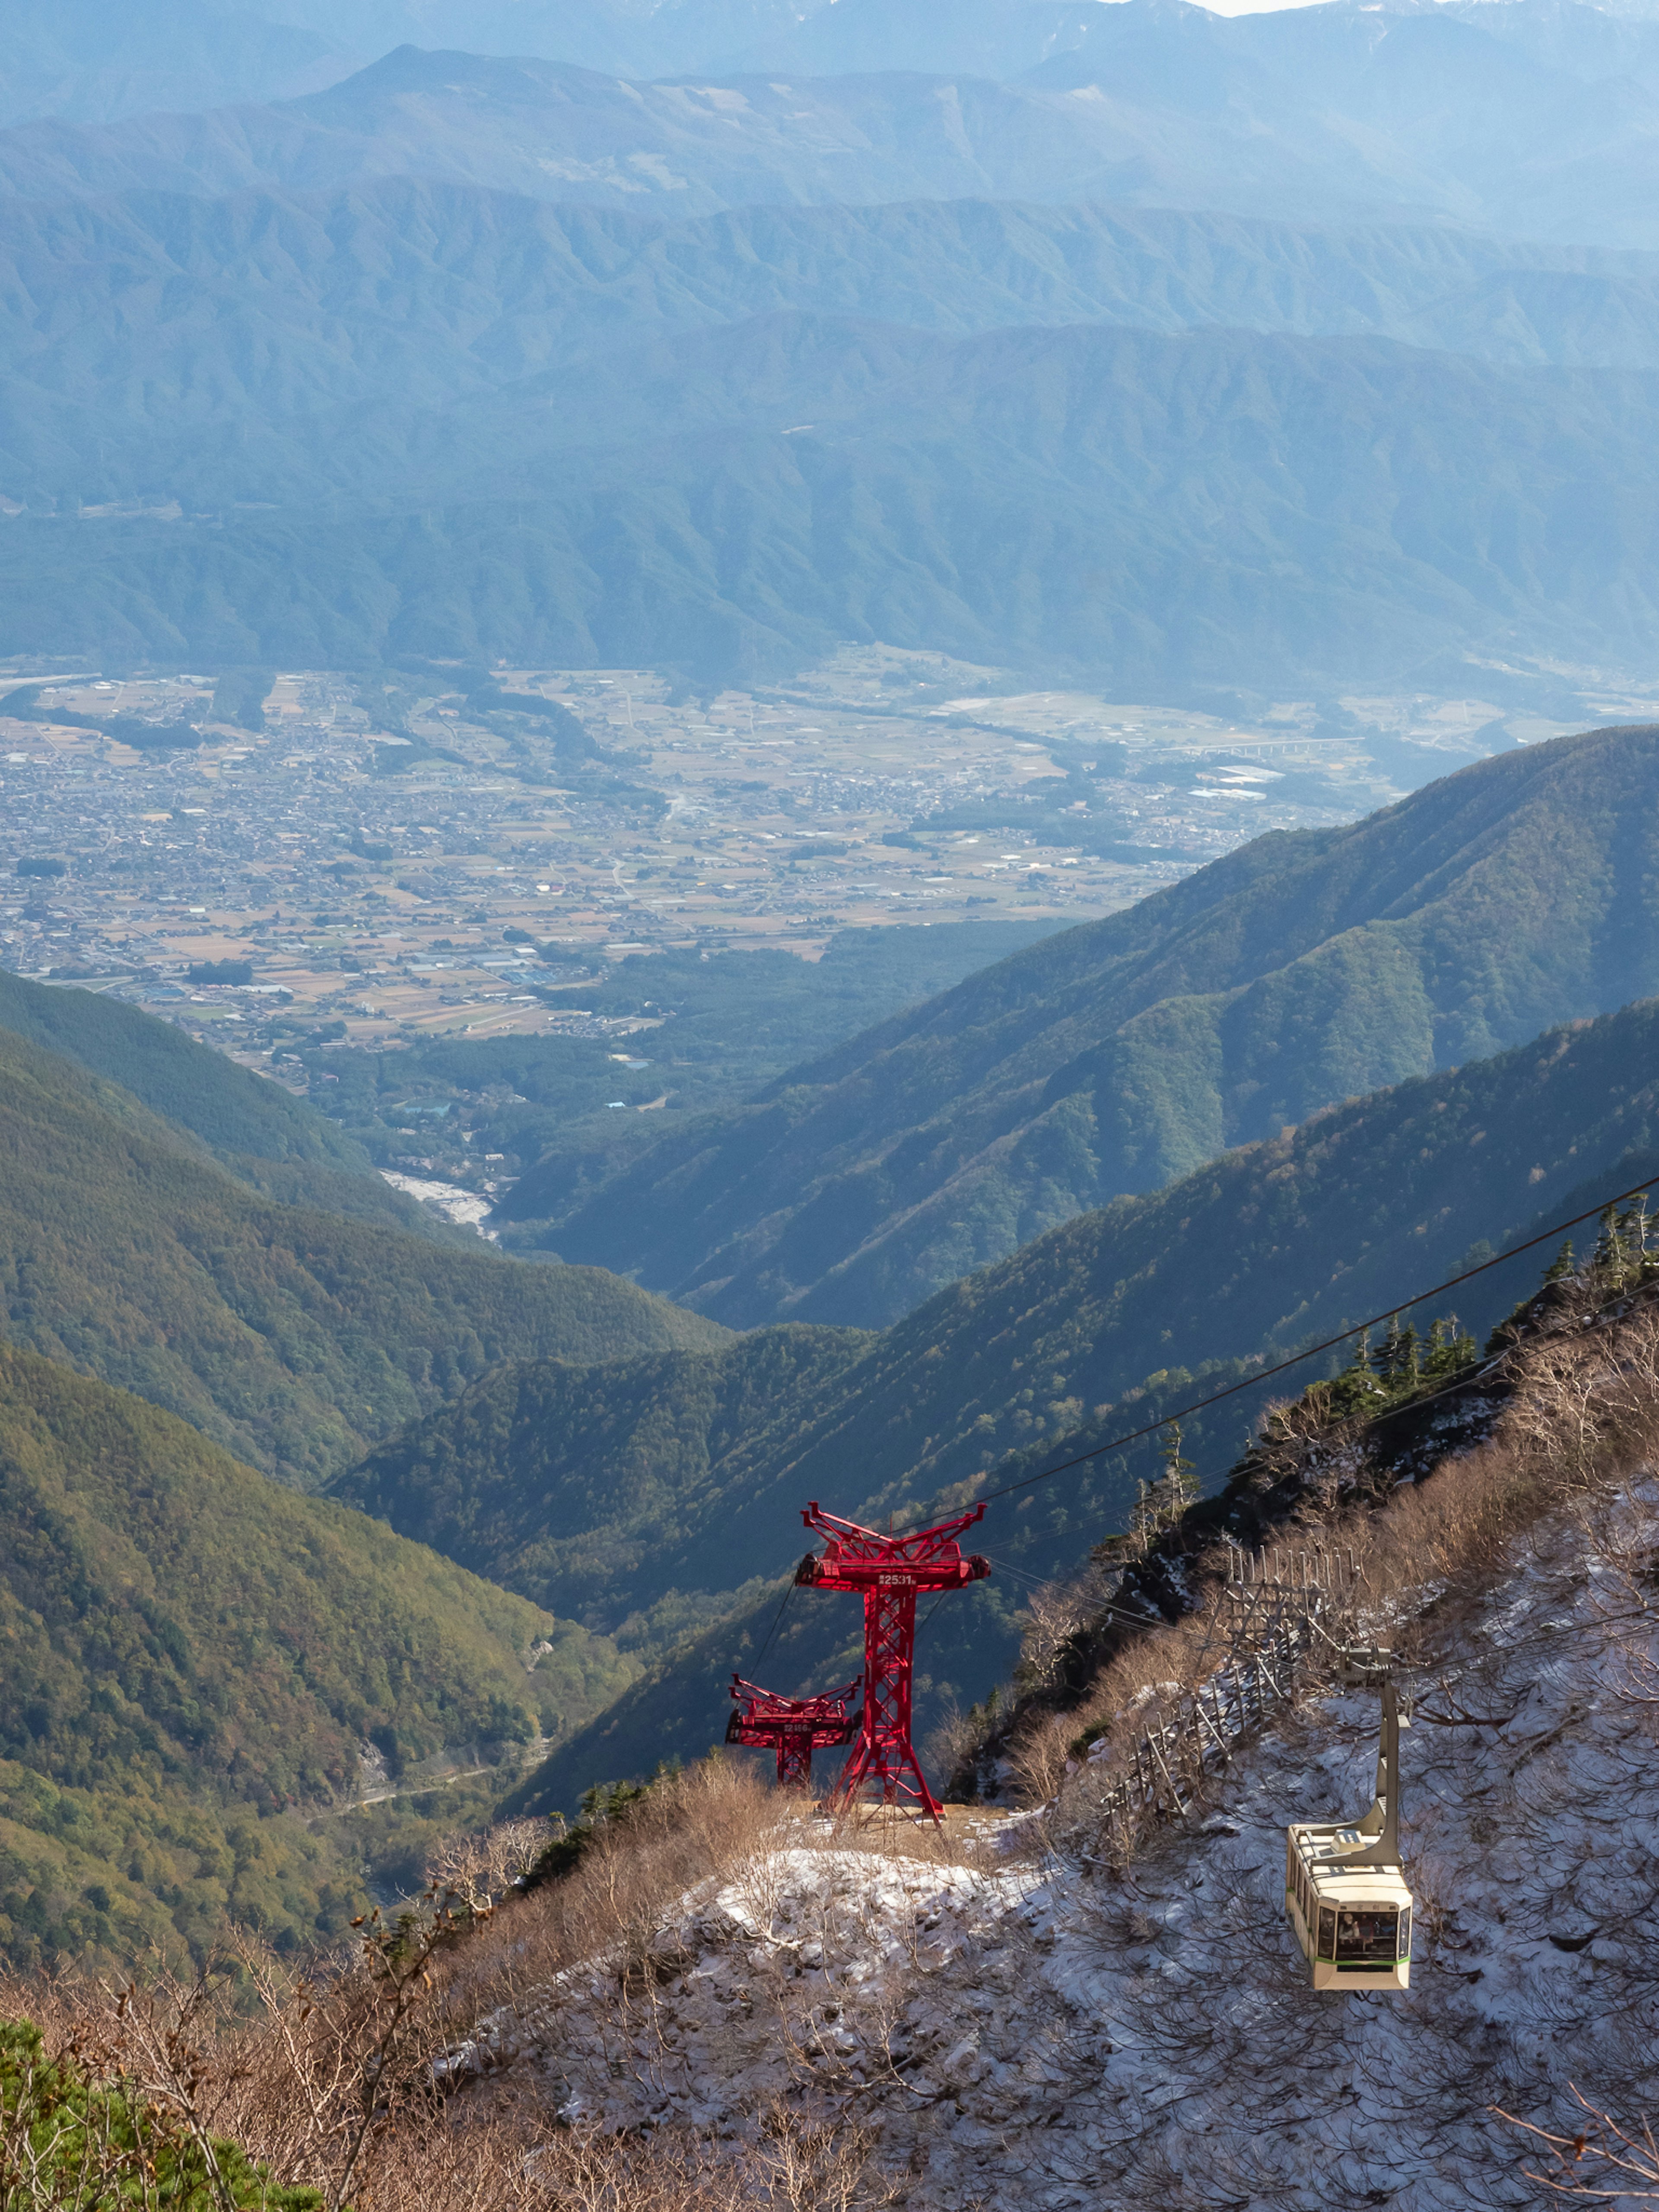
pixel 1091 1330
pixel 1299 971
pixel 290 1335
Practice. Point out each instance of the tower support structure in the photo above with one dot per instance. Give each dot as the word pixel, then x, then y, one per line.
pixel 889 1572
pixel 792 1727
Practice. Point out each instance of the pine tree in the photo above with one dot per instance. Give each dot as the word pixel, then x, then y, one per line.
pixel 1177 1486
pixel 1410 1369
pixel 1449 1350
pixel 1355 1390
pixel 1609 1245
pixel 1400 1363
pixel 1388 1360
pixel 1160 1504
pixel 1562 1265
pixel 1633 1227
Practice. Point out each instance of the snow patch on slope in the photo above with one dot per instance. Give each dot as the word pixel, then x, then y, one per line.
pixel 1038 2033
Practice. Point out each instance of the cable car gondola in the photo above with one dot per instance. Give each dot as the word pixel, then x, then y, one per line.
pixel 1344 1889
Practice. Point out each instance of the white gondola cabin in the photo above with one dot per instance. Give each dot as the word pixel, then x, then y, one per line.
pixel 1344 1889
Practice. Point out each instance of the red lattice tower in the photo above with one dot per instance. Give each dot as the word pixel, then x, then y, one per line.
pixel 887 1573
pixel 794 1726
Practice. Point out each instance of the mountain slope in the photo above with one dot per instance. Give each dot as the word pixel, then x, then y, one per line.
pixel 188 1652
pixel 267 341
pixel 1095 1327
pixel 1145 511
pixel 290 1336
pixel 1300 970
pixel 231 1110
pixel 273 347
pixel 262 1134
pixel 1535 121
pixel 93 61
pixel 558 133
pixel 611 1492
pixel 1064 2019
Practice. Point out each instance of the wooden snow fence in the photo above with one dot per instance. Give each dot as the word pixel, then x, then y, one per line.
pixel 1278 1615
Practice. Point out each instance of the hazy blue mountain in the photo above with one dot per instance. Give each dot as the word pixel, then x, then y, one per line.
pixel 1393 61
pixel 92 61
pixel 1296 972
pixel 558 133
pixel 160 347
pixel 1133 509
pixel 404 413
pixel 632 38
pixel 1531 117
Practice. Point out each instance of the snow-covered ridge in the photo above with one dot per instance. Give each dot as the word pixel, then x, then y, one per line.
pixel 1034 2031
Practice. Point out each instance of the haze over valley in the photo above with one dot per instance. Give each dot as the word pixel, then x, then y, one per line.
pixel 845 760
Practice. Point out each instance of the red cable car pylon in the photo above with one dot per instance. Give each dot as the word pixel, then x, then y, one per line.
pixel 794 1726
pixel 886 1572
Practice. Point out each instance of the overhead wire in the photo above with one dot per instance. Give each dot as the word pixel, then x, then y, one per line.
pixel 789 1592
pixel 1263 1374
pixel 1310 1351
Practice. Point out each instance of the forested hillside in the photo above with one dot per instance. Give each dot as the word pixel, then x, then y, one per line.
pixel 1300 971
pixel 495 294
pixel 856 471
pixel 1087 1331
pixel 292 1337
pixel 634 1496
pixel 193 1660
pixel 264 1136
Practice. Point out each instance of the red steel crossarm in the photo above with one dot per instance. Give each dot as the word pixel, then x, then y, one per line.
pixel 792 1727
pixel 887 1571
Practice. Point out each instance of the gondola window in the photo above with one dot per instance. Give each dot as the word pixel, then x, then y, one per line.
pixel 1365 1935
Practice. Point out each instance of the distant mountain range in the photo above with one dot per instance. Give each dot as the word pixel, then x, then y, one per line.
pixel 1529 117
pixel 1525 117
pixel 1301 970
pixel 1160 516
pixel 1175 354
pixel 296 348
pixel 92 61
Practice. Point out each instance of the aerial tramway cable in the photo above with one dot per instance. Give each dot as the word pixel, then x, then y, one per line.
pixel 1313 1351
pixel 1266 1374
pixel 776 1618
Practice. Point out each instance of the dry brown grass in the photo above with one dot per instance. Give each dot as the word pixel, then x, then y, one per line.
pixel 1583 1415
pixel 312 2086
pixel 336 2077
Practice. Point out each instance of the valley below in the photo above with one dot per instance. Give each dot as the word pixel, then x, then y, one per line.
pixel 828 1105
